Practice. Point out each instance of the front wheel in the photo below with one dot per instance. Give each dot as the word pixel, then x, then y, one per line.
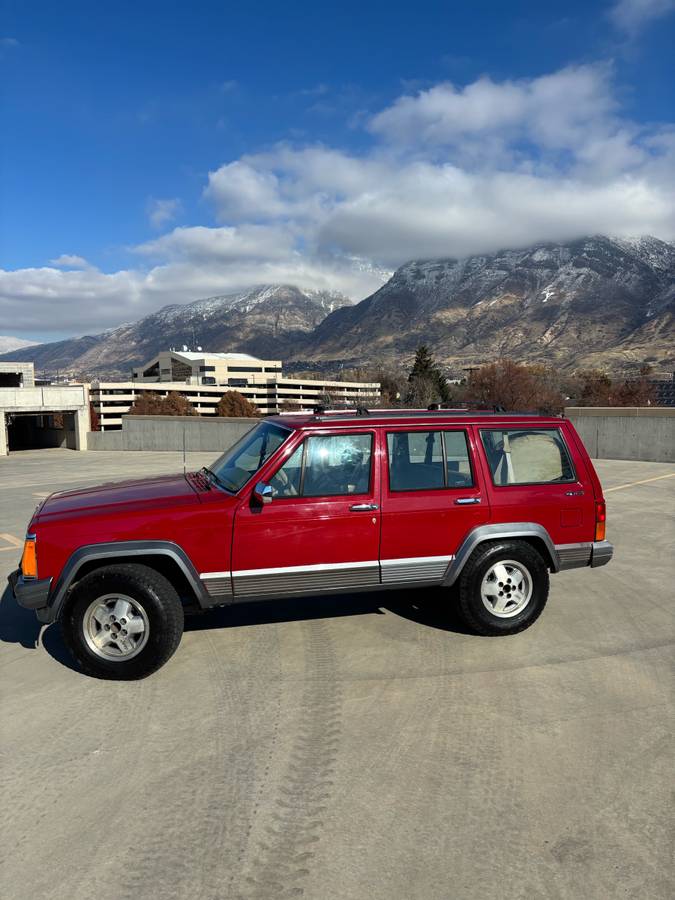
pixel 122 622
pixel 503 587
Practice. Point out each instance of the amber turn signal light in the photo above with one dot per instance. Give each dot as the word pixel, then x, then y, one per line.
pixel 600 520
pixel 29 558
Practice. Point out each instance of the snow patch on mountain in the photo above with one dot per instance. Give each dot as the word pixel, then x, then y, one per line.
pixel 8 343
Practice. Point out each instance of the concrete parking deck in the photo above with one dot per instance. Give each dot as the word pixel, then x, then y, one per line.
pixel 341 750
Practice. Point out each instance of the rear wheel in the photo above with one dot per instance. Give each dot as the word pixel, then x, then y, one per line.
pixel 122 622
pixel 503 587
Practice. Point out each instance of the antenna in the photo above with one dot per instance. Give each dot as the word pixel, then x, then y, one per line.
pixel 184 457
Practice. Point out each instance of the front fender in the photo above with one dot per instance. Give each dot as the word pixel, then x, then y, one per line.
pixel 120 550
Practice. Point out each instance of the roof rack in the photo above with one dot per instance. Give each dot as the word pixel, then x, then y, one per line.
pixel 321 412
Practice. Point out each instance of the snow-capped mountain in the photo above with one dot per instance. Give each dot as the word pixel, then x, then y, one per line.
pixel 596 300
pixel 8 343
pixel 266 321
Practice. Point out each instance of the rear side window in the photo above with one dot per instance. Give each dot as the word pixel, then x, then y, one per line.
pixel 527 456
pixel 326 466
pixel 428 460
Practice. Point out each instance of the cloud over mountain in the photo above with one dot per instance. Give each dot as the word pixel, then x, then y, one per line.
pixel 450 170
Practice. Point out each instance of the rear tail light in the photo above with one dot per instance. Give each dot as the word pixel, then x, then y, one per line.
pixel 600 520
pixel 29 558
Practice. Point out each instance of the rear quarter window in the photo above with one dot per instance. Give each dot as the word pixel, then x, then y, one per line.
pixel 527 456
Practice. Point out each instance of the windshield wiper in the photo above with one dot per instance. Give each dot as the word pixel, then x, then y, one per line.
pixel 212 476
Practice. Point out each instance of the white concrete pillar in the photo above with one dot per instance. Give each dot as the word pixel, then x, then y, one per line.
pixel 4 449
pixel 81 428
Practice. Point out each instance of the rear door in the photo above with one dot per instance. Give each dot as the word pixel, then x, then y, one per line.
pixel 432 496
pixel 321 530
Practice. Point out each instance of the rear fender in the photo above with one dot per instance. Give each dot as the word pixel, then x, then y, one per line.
pixel 531 532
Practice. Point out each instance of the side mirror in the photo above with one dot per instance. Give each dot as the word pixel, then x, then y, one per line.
pixel 263 492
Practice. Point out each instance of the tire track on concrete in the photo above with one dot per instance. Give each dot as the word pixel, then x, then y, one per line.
pixel 109 745
pixel 195 808
pixel 478 744
pixel 287 844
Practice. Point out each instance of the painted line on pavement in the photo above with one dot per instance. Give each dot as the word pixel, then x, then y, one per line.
pixel 620 487
pixel 13 542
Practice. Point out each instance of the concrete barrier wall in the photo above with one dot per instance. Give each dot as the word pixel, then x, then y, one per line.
pixel 645 433
pixel 166 433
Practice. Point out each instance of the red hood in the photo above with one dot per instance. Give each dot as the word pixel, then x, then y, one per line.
pixel 167 490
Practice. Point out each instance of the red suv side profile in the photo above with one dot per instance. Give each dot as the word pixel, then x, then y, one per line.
pixel 485 505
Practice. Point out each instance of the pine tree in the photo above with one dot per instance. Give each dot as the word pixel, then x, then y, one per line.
pixel 427 383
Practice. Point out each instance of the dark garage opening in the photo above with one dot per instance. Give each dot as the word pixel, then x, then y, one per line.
pixel 34 432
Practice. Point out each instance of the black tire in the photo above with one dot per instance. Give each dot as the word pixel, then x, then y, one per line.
pixel 474 611
pixel 158 599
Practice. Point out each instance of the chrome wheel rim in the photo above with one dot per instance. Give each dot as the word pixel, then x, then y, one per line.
pixel 116 627
pixel 506 589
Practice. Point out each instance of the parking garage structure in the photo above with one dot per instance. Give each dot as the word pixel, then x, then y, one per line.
pixel 35 416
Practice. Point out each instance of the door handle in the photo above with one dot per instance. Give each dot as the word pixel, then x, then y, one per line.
pixel 363 507
pixel 574 493
pixel 467 501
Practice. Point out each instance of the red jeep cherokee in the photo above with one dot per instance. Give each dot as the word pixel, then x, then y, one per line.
pixel 485 504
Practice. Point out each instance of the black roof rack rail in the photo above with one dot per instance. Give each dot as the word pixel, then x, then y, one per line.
pixel 322 412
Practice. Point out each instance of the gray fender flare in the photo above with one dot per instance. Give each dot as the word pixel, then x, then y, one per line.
pixel 126 551
pixel 499 531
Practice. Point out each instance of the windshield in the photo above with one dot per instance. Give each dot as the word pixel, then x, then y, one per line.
pixel 238 464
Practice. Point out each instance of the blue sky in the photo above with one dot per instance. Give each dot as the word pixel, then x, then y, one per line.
pixel 158 152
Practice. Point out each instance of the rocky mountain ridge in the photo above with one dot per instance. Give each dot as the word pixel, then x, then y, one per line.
pixel 264 320
pixel 595 301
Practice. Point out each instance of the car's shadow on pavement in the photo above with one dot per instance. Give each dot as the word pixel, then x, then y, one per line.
pixel 20 626
pixel 431 608
pixel 17 625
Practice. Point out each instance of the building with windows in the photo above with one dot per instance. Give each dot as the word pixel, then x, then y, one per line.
pixel 204 377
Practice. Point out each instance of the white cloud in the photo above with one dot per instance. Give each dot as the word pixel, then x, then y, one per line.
pixel 553 111
pixel 632 15
pixel 69 261
pixel 242 192
pixel 161 212
pixel 259 242
pixel 451 171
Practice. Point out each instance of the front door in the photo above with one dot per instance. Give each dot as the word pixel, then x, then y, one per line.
pixel 321 531
pixel 432 496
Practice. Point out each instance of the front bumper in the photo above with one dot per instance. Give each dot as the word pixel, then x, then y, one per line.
pixel 32 593
pixel 601 553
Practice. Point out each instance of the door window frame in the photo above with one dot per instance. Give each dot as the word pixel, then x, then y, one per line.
pixel 422 429
pixel 520 484
pixel 373 461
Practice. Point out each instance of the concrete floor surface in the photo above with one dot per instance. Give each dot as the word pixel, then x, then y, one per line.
pixel 335 748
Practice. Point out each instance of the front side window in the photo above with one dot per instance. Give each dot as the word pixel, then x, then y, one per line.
pixel 527 456
pixel 238 465
pixel 326 466
pixel 428 460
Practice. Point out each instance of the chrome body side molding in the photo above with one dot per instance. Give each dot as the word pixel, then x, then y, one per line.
pixel 218 584
pixel 496 532
pixel 253 584
pixel 336 578
pixel 414 570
